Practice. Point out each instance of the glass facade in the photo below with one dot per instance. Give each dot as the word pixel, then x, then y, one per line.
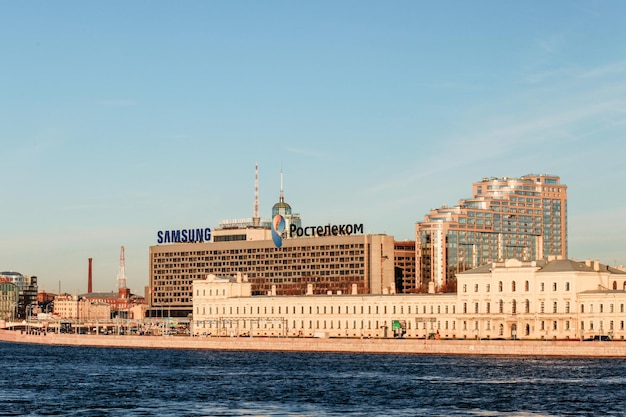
pixel 523 218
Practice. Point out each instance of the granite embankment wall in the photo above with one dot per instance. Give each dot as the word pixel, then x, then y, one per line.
pixel 399 346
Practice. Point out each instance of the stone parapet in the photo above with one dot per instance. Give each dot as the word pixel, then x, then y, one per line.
pixel 382 346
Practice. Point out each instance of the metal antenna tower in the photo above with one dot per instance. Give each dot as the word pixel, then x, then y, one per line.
pixel 121 275
pixel 282 191
pixel 256 220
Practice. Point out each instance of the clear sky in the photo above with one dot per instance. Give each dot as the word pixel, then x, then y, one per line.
pixel 122 118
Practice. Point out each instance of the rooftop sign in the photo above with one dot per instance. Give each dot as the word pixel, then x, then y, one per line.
pixel 184 236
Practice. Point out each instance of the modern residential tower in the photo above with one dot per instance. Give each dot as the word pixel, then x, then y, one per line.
pixel 523 218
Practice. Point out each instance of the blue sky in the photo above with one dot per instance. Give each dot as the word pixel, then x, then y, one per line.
pixel 119 119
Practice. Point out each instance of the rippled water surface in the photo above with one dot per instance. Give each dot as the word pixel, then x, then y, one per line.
pixel 70 381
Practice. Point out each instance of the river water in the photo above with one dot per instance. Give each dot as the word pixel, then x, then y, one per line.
pixel 70 381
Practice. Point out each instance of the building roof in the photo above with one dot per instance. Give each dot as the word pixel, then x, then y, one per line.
pixel 568 265
pixel 564 265
pixel 551 266
pixel 100 295
pixel 603 291
pixel 483 269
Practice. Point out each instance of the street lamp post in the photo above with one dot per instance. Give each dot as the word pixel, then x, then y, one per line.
pixel 29 310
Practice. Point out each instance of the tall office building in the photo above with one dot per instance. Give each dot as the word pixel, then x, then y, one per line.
pixel 523 218
pixel 327 258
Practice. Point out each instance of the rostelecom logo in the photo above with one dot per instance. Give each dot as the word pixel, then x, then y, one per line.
pixel 278 227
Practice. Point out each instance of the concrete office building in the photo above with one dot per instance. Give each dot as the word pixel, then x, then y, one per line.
pixel 545 299
pixel 277 253
pixel 405 266
pixel 328 263
pixel 523 218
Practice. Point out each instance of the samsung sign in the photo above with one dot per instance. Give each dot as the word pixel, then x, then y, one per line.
pixel 184 236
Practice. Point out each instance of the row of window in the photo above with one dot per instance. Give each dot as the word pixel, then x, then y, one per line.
pixel 601 308
pixel 542 287
pixel 320 310
pixel 306 249
pixel 590 325
pixel 542 308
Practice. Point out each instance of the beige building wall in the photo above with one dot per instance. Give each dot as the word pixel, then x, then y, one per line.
pixel 556 299
pixel 602 312
pixel 66 307
pixel 335 315
pixel 90 311
pixel 530 300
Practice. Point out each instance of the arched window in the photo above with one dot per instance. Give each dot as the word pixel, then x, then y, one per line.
pixel 513 286
pixel 614 285
pixel 501 329
pixel 527 330
pixel 526 286
pixel 500 286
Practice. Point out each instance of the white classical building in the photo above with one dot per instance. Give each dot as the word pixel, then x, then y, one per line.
pixel 546 299
pixel 540 299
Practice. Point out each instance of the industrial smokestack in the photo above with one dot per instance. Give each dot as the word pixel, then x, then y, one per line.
pixel 89 280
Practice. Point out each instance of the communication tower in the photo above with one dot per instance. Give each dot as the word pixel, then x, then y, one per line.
pixel 121 275
pixel 256 220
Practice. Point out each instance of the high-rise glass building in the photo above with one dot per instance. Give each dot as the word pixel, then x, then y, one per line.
pixel 523 218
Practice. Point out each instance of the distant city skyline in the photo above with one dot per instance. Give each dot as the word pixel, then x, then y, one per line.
pixel 122 119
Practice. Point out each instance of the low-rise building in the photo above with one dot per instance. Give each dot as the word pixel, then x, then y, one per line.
pixel 72 307
pixel 9 297
pixel 546 299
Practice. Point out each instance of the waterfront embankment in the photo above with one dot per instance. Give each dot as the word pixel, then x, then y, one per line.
pixel 395 346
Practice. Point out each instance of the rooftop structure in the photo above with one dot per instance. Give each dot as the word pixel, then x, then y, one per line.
pixel 13 277
pixel 284 209
pixel 121 275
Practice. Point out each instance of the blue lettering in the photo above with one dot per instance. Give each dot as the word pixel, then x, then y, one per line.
pixel 184 235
